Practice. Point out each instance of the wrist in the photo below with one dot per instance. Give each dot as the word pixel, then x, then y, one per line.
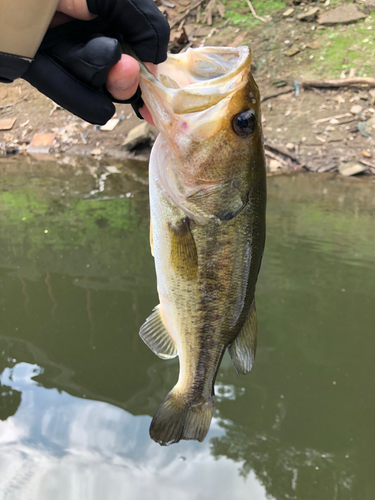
pixel 23 25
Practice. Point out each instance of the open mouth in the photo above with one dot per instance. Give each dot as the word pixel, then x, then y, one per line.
pixel 198 78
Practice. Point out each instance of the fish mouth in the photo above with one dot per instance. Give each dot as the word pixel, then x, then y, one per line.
pixel 194 81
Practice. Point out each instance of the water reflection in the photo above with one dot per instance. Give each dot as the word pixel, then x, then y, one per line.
pixel 78 386
pixel 62 447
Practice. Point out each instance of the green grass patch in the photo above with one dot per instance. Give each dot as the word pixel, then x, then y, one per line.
pixel 342 48
pixel 239 13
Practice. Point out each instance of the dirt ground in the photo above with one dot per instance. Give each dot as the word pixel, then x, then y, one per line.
pixel 319 129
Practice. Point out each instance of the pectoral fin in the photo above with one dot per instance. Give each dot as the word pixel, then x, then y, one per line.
pixel 242 349
pixel 155 335
pixel 184 258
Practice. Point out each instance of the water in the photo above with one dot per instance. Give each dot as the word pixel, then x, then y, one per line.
pixel 79 387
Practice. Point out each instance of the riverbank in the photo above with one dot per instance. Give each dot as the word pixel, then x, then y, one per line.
pixel 321 129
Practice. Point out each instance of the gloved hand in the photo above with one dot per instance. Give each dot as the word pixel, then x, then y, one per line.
pixel 72 64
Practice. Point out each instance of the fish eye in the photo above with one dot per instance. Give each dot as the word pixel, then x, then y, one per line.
pixel 244 123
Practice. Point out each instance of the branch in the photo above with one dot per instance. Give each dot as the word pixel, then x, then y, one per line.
pixel 254 13
pixel 348 82
pixel 184 16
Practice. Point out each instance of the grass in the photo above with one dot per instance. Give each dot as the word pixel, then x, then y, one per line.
pixel 239 13
pixel 347 47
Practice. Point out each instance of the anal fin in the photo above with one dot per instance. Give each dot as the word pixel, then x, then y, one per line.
pixel 242 349
pixel 155 335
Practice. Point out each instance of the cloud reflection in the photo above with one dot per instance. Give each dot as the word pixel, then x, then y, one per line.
pixel 66 448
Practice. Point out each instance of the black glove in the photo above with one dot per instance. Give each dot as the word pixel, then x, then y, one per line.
pixel 73 62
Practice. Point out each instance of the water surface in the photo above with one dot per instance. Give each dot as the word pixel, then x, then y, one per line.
pixel 79 387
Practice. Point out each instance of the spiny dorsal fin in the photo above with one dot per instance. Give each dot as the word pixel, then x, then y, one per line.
pixel 154 334
pixel 242 349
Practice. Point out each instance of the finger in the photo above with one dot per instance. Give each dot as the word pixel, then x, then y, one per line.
pixel 146 115
pixel 65 89
pixel 75 8
pixel 123 78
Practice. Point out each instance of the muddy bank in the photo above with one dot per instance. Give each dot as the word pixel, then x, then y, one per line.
pixel 317 129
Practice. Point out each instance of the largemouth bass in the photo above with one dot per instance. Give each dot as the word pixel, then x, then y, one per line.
pixel 207 199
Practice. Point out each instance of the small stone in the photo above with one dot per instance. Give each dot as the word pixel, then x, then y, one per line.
pixel 140 135
pixel 112 170
pixel 352 168
pixel 96 152
pixel 7 123
pixel 288 12
pixel 313 45
pixel 290 146
pixel 291 52
pixel 342 15
pixel 41 143
pixel 356 109
pixel 110 125
pixel 366 154
pixel 310 15
pixel 274 165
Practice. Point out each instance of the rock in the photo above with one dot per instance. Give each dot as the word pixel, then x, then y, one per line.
pixel 345 14
pixel 356 109
pixel 288 12
pixel 313 45
pixel 140 135
pixel 110 125
pixel 291 52
pixel 352 168
pixel 309 15
pixel 112 170
pixel 290 146
pixel 366 154
pixel 274 165
pixel 41 143
pixel 368 6
pixel 96 152
pixel 7 123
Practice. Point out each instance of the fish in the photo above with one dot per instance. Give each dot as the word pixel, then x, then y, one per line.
pixel 207 183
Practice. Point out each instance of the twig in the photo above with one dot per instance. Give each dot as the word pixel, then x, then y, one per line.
pixel 252 10
pixel 276 157
pixel 185 15
pixel 267 145
pixel 348 82
pixel 276 95
pixel 322 120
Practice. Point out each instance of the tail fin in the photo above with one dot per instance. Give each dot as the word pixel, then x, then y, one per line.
pixel 178 419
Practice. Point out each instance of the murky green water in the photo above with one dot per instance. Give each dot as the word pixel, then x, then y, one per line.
pixel 79 387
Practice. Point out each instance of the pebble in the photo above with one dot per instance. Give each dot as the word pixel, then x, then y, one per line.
pixel 356 109
pixel 288 12
pixel 290 146
pixel 274 165
pixel 352 168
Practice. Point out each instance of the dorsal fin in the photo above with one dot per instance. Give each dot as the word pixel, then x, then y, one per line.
pixel 155 335
pixel 242 349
